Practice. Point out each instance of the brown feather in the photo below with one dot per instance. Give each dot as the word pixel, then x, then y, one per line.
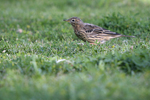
pixel 91 33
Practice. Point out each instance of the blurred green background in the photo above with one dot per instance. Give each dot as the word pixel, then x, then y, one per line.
pixel 40 58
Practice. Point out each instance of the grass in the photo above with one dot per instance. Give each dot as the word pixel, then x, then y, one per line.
pixel 45 61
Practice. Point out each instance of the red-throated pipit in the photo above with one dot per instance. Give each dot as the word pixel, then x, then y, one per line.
pixel 91 33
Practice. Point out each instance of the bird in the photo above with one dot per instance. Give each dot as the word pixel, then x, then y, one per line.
pixel 92 33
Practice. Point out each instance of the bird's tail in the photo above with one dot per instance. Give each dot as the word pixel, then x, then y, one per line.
pixel 127 36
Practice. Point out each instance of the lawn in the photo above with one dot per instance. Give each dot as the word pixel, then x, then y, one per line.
pixel 42 59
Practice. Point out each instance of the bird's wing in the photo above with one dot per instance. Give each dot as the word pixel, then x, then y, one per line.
pixel 94 30
pixel 90 27
pixel 104 32
pixel 100 34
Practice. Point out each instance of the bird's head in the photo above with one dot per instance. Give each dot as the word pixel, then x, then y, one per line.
pixel 74 20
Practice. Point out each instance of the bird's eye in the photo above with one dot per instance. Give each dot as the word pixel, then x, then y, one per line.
pixel 73 20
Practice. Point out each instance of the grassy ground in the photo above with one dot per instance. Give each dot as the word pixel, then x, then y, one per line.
pixel 40 58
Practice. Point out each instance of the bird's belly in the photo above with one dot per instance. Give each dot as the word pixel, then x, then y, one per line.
pixel 81 35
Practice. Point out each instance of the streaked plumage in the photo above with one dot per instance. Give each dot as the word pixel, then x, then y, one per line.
pixel 91 33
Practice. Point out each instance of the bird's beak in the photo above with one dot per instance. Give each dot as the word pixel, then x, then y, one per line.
pixel 66 20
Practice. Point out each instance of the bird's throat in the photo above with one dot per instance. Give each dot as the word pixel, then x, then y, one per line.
pixel 77 27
